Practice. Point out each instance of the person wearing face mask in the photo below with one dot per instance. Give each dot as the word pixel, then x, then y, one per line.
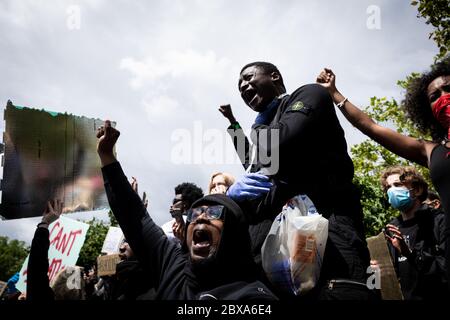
pixel 415 238
pixel 427 105
pixel 132 282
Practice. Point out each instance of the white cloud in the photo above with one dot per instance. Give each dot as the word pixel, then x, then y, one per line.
pixel 158 66
pixel 175 64
pixel 160 107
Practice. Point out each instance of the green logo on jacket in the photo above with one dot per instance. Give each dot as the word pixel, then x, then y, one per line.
pixel 297 106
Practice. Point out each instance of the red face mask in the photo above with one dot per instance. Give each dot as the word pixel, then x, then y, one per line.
pixel 441 111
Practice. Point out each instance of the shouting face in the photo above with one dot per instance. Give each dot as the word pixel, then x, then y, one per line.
pixel 204 231
pixel 258 88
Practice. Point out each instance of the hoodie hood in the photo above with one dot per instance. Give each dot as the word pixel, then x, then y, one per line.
pixel 233 260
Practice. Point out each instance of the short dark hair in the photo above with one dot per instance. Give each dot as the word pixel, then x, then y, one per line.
pixel 409 174
pixel 433 196
pixel 417 105
pixel 189 192
pixel 267 67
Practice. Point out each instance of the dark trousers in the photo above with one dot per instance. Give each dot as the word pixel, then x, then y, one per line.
pixel 348 291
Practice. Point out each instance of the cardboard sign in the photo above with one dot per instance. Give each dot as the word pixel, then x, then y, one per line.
pixel 2 287
pixel 113 240
pixel 106 265
pixel 390 286
pixel 66 239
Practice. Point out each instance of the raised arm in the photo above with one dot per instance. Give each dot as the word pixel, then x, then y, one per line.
pixel 149 243
pixel 38 288
pixel 240 141
pixel 404 146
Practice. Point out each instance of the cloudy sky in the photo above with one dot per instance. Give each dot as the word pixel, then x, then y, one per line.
pixel 162 68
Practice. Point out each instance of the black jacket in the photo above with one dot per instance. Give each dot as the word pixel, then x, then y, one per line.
pixel 423 274
pixel 38 288
pixel 170 269
pixel 132 281
pixel 313 160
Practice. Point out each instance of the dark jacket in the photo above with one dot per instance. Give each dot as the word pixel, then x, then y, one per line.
pixel 38 288
pixel 313 160
pixel 132 281
pixel 423 274
pixel 231 270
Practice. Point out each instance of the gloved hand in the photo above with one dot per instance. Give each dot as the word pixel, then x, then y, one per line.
pixel 249 186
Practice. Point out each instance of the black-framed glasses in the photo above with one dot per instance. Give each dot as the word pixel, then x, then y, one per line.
pixel 211 213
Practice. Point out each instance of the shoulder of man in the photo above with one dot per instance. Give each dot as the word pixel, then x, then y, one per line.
pixel 309 97
pixel 427 213
pixel 438 216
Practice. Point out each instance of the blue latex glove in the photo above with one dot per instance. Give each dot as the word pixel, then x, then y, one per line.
pixel 250 186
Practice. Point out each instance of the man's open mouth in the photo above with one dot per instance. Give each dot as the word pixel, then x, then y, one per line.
pixel 249 95
pixel 201 241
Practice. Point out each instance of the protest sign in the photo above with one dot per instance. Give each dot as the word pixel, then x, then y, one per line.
pixel 49 155
pixel 106 265
pixel 66 239
pixel 113 240
pixel 2 287
pixel 390 287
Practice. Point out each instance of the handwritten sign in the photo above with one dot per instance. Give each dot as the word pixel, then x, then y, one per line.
pixel 2 287
pixel 66 239
pixel 390 287
pixel 106 265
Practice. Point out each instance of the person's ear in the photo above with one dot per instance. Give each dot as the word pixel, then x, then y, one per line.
pixel 275 76
pixel 417 192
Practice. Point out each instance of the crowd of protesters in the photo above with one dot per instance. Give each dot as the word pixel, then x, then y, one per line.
pixel 210 249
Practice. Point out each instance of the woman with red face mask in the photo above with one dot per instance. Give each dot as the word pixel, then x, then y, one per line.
pixel 427 104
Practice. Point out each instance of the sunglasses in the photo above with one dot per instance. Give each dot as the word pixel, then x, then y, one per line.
pixel 211 213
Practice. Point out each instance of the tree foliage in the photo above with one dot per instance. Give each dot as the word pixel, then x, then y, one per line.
pixel 370 159
pixel 12 255
pixel 112 219
pixel 93 244
pixel 436 13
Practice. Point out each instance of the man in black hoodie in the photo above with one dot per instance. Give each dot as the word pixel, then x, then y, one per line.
pixel 132 282
pixel 216 261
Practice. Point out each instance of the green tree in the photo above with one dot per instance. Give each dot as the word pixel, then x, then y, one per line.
pixel 369 158
pixel 12 256
pixel 436 13
pixel 112 219
pixel 93 244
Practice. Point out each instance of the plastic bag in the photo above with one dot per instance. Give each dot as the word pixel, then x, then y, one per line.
pixel 293 251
